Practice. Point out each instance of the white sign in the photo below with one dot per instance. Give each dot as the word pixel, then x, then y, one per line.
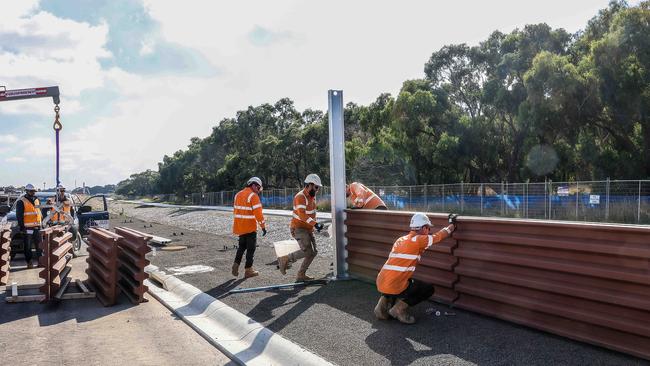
pixel 594 199
pixel 562 191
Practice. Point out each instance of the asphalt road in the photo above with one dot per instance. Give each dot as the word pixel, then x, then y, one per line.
pixel 83 332
pixel 336 321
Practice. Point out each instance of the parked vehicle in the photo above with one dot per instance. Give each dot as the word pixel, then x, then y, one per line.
pixel 93 211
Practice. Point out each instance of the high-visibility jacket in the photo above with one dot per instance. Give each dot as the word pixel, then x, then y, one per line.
pixel 404 257
pixel 363 197
pixel 247 209
pixel 60 217
pixel 31 215
pixel 304 211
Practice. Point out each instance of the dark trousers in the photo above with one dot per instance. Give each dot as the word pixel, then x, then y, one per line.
pixel 31 241
pixel 247 243
pixel 416 292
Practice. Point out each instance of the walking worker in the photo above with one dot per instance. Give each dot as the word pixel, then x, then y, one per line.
pixel 398 290
pixel 303 224
pixel 29 217
pixel 247 209
pixel 362 197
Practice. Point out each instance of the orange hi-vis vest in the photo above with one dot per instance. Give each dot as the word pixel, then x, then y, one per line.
pixel 406 253
pixel 59 217
pixel 247 209
pixel 31 214
pixel 304 211
pixel 363 197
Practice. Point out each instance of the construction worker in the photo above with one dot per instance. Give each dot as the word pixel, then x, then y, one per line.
pixel 362 197
pixel 29 218
pixel 303 224
pixel 64 205
pixel 398 290
pixel 247 209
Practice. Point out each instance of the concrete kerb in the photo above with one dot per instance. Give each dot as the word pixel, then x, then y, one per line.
pixel 242 339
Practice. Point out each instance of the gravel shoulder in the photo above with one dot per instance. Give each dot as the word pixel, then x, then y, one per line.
pixel 336 321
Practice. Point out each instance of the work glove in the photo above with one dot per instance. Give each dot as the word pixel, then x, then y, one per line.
pixel 263 231
pixel 452 218
pixel 318 227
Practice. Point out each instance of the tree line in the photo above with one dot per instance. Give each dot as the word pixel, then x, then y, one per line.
pixel 536 103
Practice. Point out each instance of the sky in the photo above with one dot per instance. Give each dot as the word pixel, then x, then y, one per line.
pixel 139 78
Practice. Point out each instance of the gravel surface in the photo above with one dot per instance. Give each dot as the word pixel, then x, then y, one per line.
pixel 336 321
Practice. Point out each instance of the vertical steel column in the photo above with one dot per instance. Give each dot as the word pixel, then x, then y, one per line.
pixel 577 195
pixel 550 199
pixel 481 188
pixel 607 201
pixel 638 208
pixel 462 197
pixel 337 179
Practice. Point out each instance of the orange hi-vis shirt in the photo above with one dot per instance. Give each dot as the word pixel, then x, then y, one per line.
pixel 247 209
pixel 363 197
pixel 59 217
pixel 304 211
pixel 406 253
pixel 32 214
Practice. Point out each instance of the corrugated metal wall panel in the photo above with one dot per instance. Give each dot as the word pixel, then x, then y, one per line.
pixel 589 282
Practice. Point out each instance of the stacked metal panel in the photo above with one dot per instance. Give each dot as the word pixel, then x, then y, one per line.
pixel 131 258
pixel 102 264
pixel 5 251
pixel 57 252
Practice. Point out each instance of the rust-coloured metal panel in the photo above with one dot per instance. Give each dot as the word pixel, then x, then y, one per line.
pixel 370 236
pixel 102 264
pixel 589 282
pixel 5 241
pixel 56 255
pixel 132 249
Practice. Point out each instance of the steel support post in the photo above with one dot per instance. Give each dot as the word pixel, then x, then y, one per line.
pixel 337 179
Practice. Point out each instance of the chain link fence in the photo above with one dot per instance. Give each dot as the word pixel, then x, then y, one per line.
pixel 616 201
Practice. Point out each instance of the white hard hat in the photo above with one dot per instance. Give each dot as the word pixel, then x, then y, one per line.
pixel 418 220
pixel 30 187
pixel 59 187
pixel 313 178
pixel 254 180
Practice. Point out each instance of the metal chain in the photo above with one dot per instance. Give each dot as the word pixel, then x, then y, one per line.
pixel 57 124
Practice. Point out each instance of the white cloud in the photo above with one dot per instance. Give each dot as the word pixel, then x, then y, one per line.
pixel 15 159
pixel 8 139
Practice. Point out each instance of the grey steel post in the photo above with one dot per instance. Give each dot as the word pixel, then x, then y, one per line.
pixel 337 179
pixel 638 208
pixel 443 198
pixel 577 195
pixel 481 188
pixel 462 197
pixel 550 199
pixel 607 201
pixel 426 198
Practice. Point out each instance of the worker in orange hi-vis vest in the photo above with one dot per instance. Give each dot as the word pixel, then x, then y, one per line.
pixel 247 210
pixel 29 217
pixel 394 282
pixel 303 224
pixel 362 197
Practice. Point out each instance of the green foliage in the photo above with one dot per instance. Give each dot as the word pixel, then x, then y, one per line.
pixel 531 104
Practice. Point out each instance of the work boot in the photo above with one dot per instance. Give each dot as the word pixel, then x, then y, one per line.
pixel 235 269
pixel 399 311
pixel 283 263
pixel 302 277
pixel 381 310
pixel 30 265
pixel 250 272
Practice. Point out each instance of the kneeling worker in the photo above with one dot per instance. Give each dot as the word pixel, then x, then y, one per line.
pixel 362 197
pixel 394 281
pixel 247 210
